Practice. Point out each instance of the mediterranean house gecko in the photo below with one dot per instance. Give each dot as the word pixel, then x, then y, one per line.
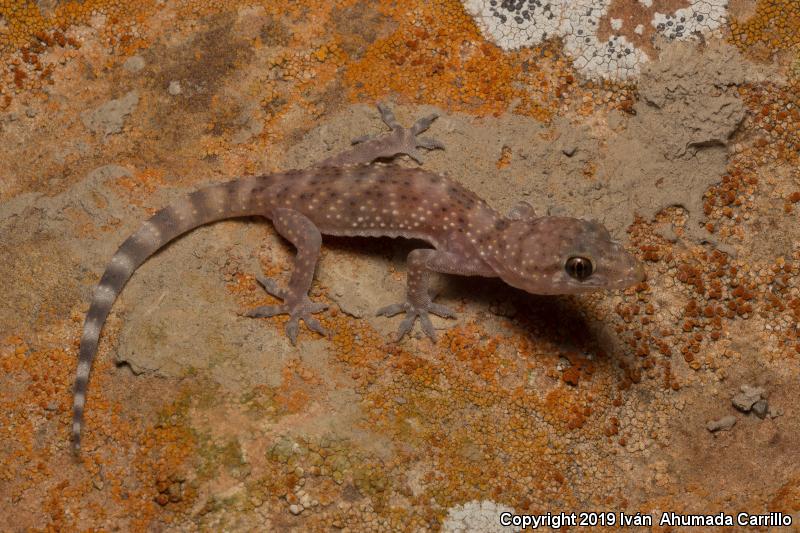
pixel 354 194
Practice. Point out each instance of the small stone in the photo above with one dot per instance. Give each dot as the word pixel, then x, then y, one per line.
pixel 175 88
pixel 569 151
pixel 723 424
pixel 134 64
pixel 109 118
pixel 760 408
pixel 748 396
pixel 295 509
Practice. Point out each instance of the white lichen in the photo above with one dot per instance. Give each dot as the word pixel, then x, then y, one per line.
pixel 476 517
pixel 513 24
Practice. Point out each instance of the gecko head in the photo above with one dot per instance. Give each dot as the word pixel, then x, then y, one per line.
pixel 561 255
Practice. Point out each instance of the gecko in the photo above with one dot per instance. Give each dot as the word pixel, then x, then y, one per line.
pixel 359 192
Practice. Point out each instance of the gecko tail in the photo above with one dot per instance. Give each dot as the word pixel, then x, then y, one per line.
pixel 227 200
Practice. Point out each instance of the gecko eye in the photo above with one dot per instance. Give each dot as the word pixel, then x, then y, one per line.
pixel 579 268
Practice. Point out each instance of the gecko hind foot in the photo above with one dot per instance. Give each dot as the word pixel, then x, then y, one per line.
pixel 296 308
pixel 402 140
pixel 414 312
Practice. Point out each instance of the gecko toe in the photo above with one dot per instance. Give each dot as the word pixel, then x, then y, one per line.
pixel 414 154
pixel 266 311
pixel 405 326
pixel 311 308
pixel 423 124
pixel 430 143
pixel 391 310
pixel 314 325
pixel 292 326
pixel 361 139
pixel 270 286
pixel 441 310
pixel 388 116
pixel 427 326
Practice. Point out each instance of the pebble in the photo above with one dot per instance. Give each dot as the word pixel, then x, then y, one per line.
pixel 723 424
pixel 760 408
pixel 747 397
pixel 134 64
pixel 109 118
pixel 175 88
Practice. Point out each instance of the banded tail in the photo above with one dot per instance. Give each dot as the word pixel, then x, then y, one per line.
pixel 243 197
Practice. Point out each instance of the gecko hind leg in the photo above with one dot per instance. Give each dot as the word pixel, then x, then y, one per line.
pixel 399 141
pixel 302 233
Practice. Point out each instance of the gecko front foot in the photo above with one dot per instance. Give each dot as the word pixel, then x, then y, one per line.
pixel 401 140
pixel 414 312
pixel 295 307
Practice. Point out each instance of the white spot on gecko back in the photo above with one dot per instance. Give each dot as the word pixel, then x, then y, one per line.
pixel 104 295
pixel 122 260
pixel 149 234
pixel 91 331
pixel 83 369
pixel 215 199
pixel 79 400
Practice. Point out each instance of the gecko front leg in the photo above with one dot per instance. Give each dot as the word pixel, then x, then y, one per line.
pixel 418 302
pixel 305 236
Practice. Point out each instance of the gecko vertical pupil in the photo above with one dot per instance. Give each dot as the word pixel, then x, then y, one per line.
pixel 579 268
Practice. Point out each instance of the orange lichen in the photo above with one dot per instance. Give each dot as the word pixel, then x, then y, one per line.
pixel 437 56
pixel 42 377
pixel 139 186
pixel 774 26
pixel 775 114
pixel 292 396
pixel 571 376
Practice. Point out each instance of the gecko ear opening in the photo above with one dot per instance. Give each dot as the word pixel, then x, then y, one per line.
pixel 579 268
